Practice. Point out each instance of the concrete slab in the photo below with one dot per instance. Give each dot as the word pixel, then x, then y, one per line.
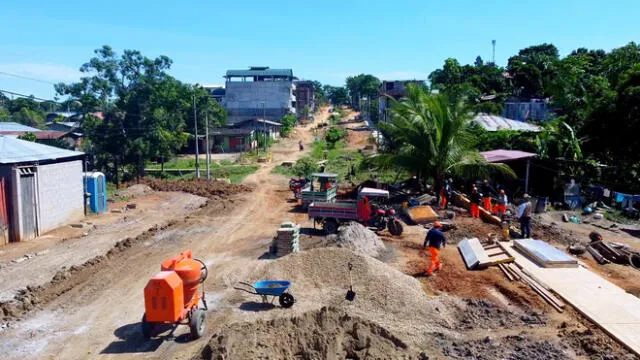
pixel 472 253
pixel 544 254
pixel 605 304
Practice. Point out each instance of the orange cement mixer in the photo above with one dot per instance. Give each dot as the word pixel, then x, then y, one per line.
pixel 174 294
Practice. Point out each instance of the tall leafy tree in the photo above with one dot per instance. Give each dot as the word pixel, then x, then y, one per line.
pixel 362 85
pixel 433 137
pixel 533 69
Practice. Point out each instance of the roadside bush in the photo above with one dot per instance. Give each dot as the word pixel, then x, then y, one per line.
pixel 334 135
pixel 288 123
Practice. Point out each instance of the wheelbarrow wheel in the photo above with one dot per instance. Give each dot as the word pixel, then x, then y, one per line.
pixel 196 324
pixel 286 300
pixel 330 226
pixel 147 327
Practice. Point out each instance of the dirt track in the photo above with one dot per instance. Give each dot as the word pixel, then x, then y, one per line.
pixel 99 316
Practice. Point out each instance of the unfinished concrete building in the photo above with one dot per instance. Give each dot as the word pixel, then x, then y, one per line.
pixel 305 96
pixel 259 92
pixel 395 89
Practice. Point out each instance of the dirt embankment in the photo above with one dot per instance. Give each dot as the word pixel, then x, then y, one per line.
pixel 65 279
pixel 200 187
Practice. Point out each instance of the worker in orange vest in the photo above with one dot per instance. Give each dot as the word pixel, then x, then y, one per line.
pixel 434 240
pixel 475 199
pixel 487 190
pixel 503 201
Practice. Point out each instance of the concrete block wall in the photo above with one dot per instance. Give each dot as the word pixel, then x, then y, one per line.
pixel 60 194
pixel 244 99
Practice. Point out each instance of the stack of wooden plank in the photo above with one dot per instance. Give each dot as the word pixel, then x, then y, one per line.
pixel 287 239
pixel 514 272
pixel 478 256
pixel 605 252
pixel 543 254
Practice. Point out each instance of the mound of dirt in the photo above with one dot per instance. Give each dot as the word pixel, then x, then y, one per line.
pixel 328 333
pixel 200 187
pixel 135 190
pixel 359 239
pixel 510 347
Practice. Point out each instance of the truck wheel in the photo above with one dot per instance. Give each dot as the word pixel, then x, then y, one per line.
pixel 395 227
pixel 286 300
pixel 330 226
pixel 196 323
pixel 147 327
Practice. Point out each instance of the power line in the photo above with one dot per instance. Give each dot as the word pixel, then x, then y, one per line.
pixel 26 78
pixel 27 96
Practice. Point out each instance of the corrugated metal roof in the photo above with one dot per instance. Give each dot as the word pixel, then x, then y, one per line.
pixel 266 72
pixel 501 155
pixel 40 135
pixel 14 126
pixel 16 151
pixel 496 123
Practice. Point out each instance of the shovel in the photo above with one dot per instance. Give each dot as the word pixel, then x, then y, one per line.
pixel 351 295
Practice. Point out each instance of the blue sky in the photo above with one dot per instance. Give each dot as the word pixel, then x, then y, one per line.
pixel 320 40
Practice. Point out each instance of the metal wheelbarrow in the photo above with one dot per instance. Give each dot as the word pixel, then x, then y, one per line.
pixel 274 288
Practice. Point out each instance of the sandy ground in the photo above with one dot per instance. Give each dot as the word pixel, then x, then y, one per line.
pixel 36 262
pixel 97 313
pixel 99 316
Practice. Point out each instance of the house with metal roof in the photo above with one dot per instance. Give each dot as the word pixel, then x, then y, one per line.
pixel 41 188
pixel 14 126
pixel 259 92
pixel 497 123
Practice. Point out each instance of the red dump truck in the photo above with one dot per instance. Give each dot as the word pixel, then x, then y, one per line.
pixel 367 210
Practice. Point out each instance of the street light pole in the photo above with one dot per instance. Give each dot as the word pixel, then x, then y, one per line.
pixel 206 141
pixel 195 127
pixel 264 121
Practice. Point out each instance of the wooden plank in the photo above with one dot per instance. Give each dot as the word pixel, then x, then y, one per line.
pixel 506 272
pixel 514 270
pixel 500 259
pixel 494 251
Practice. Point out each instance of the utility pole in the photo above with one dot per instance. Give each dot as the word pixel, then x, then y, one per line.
pixel 195 127
pixel 206 141
pixel 264 121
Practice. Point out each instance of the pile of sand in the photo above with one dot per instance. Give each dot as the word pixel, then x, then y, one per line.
pixel 328 333
pixel 135 190
pixel 391 316
pixel 358 238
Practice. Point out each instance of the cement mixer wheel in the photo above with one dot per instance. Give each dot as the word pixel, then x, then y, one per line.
pixel 147 327
pixel 196 323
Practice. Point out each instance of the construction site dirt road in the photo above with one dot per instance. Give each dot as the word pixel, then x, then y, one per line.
pixel 99 312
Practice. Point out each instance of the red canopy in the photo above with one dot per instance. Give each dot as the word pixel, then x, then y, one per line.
pixel 501 155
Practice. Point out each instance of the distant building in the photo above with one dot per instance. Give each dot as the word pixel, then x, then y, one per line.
pixel 217 92
pixel 395 89
pixel 225 140
pixel 536 109
pixel 305 96
pixel 40 188
pixel 259 92
pixel 64 137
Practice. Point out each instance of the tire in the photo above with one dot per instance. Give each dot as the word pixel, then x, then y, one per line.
pixel 196 324
pixel 286 300
pixel 330 226
pixel 147 327
pixel 395 227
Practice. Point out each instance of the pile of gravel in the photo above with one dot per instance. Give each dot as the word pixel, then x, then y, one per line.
pixel 357 238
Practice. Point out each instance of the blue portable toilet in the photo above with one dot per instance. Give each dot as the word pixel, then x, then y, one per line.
pixel 96 188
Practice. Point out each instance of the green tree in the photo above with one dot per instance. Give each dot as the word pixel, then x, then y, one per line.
pixel 29 117
pixel 28 136
pixel 145 108
pixel 321 95
pixel 4 115
pixel 336 95
pixel 363 85
pixel 434 138
pixel 20 103
pixel 288 123
pixel 334 135
pixel 533 70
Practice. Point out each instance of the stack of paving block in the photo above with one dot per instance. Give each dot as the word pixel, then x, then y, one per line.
pixel 287 240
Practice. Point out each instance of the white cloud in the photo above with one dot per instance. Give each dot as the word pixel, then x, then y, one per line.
pixel 43 72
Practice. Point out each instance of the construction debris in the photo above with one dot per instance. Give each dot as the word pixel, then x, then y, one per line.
pixel 287 239
pixel 605 252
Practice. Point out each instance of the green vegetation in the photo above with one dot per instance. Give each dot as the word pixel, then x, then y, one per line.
pixel 334 135
pixel 28 136
pixel 235 173
pixel 288 123
pixel 594 93
pixel 148 113
pixel 432 136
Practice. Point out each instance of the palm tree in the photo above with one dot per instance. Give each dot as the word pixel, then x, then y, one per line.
pixel 432 137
